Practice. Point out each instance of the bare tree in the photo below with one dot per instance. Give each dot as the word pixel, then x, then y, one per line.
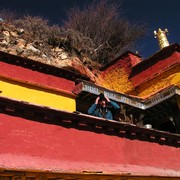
pixel 110 33
pixel 37 27
pixel 97 33
pixel 8 15
pixel 43 35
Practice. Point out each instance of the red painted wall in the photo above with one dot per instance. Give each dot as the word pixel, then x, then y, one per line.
pixel 34 77
pixel 32 145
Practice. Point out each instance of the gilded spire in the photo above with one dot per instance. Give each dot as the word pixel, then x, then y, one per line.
pixel 161 36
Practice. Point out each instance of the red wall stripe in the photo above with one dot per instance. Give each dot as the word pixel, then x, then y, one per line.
pixel 34 77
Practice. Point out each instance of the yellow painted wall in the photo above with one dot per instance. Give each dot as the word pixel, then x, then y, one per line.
pixel 117 80
pixel 170 77
pixel 36 95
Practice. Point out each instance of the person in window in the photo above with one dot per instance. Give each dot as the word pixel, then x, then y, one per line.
pixel 103 107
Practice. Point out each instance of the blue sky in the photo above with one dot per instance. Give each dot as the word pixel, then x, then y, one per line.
pixel 157 13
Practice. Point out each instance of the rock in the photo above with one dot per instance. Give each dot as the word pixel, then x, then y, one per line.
pixel 6 33
pixel 21 43
pixel 20 31
pixel 32 48
pixel 63 55
pixel 4 43
pixel 19 50
pixel 44 56
pixel 57 49
pixel 14 34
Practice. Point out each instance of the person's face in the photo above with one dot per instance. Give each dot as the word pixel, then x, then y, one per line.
pixel 102 103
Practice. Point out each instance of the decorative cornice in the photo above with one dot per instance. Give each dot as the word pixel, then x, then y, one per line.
pixel 127 99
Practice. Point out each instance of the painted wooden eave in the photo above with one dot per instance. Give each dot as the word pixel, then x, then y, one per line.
pixel 134 101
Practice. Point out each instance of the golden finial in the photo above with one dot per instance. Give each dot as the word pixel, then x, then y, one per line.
pixel 161 36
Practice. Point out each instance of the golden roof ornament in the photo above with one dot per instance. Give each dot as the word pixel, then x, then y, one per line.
pixel 161 36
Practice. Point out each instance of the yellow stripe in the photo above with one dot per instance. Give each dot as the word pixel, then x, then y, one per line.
pixel 36 95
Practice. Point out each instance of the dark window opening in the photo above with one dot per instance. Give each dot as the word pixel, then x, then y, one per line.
pixel 168 126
